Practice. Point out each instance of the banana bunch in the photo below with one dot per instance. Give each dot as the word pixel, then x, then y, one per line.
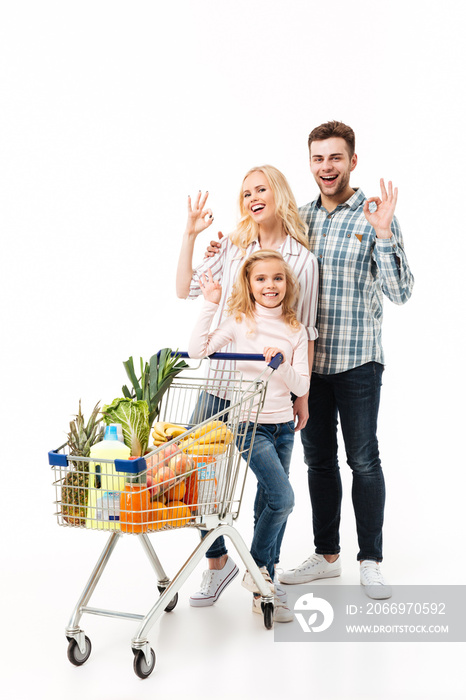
pixel 164 432
pixel 213 438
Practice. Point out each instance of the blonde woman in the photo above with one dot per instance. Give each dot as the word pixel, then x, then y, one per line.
pixel 261 319
pixel 269 219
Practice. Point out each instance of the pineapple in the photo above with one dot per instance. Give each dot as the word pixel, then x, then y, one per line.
pixel 80 440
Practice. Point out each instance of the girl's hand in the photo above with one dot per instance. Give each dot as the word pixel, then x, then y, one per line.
pixel 210 288
pixel 381 218
pixel 198 218
pixel 271 352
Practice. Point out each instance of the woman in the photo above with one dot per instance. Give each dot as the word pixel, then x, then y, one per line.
pixel 269 219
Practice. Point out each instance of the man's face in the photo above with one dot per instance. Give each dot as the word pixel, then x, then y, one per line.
pixel 331 165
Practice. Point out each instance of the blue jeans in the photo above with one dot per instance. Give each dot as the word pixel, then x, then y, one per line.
pixel 208 405
pixel 354 396
pixel 270 462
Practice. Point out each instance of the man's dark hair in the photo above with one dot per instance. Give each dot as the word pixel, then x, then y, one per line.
pixel 333 129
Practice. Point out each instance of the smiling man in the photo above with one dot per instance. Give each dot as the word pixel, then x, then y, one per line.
pixel 359 248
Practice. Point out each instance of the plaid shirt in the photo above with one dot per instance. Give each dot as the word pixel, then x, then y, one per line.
pixel 355 269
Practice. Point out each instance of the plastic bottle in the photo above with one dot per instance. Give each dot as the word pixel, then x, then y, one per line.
pixel 119 429
pixel 105 484
pixel 135 505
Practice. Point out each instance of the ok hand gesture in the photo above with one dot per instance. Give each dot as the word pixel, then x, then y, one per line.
pixel 381 218
pixel 210 288
pixel 198 218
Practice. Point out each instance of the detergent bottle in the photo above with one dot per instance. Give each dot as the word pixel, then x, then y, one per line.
pixel 105 483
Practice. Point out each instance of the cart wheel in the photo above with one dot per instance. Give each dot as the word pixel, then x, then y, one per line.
pixel 140 666
pixel 172 604
pixel 267 609
pixel 74 652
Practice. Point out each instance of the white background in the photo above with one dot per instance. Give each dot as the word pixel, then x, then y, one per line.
pixel 111 114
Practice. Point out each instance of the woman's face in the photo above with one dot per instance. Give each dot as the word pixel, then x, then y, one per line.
pixel 258 199
pixel 267 281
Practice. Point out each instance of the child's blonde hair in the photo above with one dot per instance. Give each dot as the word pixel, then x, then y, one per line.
pixel 241 301
pixel 286 208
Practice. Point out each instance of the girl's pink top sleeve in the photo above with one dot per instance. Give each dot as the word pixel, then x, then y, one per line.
pixel 296 374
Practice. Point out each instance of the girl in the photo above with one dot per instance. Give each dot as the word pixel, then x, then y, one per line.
pixel 268 219
pixel 261 317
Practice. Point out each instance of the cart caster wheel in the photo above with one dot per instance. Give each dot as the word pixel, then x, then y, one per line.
pixel 172 604
pixel 267 609
pixel 140 666
pixel 75 655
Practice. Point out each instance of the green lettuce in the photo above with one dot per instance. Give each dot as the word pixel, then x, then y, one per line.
pixel 134 419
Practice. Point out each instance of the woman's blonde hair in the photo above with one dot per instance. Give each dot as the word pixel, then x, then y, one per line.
pixel 286 208
pixel 241 301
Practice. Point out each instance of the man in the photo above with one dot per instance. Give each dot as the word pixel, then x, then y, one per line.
pixel 359 249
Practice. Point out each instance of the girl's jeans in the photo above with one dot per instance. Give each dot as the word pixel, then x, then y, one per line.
pixel 270 462
pixel 272 450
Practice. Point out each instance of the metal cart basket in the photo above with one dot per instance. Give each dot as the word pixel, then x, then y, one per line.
pixel 194 479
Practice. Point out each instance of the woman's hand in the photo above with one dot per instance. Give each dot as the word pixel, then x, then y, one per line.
pixel 381 218
pixel 271 352
pixel 198 218
pixel 211 289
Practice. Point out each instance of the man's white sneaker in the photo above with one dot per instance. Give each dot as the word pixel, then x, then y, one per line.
pixel 249 583
pixel 281 612
pixel 214 582
pixel 373 581
pixel 315 567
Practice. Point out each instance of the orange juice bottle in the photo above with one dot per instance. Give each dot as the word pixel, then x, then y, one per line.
pixel 134 505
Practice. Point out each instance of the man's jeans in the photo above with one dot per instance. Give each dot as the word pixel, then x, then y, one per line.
pixel 270 462
pixel 355 396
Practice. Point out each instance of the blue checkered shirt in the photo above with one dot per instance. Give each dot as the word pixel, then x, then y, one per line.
pixel 355 270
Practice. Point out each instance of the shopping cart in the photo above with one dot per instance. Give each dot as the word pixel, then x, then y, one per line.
pixel 196 479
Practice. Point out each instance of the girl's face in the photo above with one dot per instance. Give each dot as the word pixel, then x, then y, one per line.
pixel 267 281
pixel 258 199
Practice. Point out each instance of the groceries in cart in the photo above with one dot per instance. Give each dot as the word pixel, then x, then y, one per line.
pixel 112 477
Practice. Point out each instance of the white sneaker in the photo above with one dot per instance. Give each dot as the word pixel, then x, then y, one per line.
pixel 316 566
pixel 214 582
pixel 281 612
pixel 373 581
pixel 249 583
pixel 280 592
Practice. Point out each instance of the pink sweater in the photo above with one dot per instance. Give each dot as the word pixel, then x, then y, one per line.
pixel 270 331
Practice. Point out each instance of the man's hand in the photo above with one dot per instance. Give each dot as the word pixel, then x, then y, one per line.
pixel 210 288
pixel 381 218
pixel 198 218
pixel 301 411
pixel 214 247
